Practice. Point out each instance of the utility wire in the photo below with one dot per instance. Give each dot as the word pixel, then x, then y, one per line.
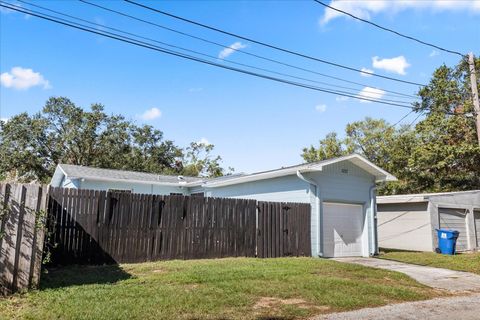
pixel 187 50
pixel 394 93
pixel 419 115
pixel 270 45
pixel 410 112
pixel 389 30
pixel 188 57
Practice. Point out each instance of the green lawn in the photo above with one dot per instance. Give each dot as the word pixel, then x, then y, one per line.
pixel 234 288
pixel 469 262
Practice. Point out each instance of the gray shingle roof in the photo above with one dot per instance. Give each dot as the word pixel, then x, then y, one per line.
pixel 74 171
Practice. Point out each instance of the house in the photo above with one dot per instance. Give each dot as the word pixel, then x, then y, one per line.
pixel 409 222
pixel 341 192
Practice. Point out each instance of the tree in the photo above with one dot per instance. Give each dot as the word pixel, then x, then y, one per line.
pixel 31 146
pixel 329 147
pixel 440 153
pixel 200 162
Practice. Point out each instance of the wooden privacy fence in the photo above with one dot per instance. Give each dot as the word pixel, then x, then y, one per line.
pixel 22 209
pixel 283 229
pixel 101 227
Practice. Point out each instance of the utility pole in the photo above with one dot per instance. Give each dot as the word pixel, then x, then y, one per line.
pixel 473 84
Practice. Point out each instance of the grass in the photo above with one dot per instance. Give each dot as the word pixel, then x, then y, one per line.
pixel 233 288
pixel 469 262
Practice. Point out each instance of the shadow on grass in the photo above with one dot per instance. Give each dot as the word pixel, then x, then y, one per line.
pixel 387 250
pixel 82 275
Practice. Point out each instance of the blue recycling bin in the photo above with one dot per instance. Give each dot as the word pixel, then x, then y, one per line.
pixel 447 240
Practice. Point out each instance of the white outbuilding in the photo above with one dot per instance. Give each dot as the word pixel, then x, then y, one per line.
pixel 409 222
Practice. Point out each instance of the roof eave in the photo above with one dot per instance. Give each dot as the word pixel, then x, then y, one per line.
pixel 262 176
pixel 159 183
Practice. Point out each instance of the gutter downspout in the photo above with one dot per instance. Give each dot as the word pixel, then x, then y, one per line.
pixel 318 209
pixel 373 210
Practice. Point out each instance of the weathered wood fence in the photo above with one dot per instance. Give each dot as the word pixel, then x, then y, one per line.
pixel 96 227
pixel 103 227
pixel 283 229
pixel 100 227
pixel 22 209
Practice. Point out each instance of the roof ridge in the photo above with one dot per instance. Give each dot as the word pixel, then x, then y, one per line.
pixel 132 171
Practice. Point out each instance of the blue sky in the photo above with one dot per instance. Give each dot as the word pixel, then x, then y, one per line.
pixel 254 124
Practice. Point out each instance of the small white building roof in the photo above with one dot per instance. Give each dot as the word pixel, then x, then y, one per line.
pixel 419 197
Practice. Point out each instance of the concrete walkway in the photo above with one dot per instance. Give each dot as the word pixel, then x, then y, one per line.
pixel 459 307
pixel 433 277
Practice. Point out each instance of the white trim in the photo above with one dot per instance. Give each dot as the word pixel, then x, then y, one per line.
pixel 419 197
pixel 380 175
pixel 170 184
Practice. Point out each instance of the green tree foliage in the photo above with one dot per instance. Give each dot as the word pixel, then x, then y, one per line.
pixel 31 146
pixel 329 147
pixel 200 162
pixel 440 153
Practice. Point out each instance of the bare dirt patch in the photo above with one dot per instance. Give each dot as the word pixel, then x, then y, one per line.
pixel 272 304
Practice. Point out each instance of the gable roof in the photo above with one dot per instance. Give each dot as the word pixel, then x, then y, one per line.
pixel 358 160
pixel 91 173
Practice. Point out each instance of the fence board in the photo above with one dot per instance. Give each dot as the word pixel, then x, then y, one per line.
pixel 21 236
pixel 283 229
pixel 101 227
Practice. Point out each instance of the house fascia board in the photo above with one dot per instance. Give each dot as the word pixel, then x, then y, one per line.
pixel 401 199
pixel 261 176
pixel 170 184
pixel 58 176
pixel 380 174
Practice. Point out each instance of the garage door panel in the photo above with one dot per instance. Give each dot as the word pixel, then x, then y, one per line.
pixel 455 219
pixel 343 229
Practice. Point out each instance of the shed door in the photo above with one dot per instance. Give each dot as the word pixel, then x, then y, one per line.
pixel 342 229
pixel 477 226
pixel 455 219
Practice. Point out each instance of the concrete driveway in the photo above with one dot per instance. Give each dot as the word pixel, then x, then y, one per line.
pixel 459 307
pixel 433 277
pixel 464 307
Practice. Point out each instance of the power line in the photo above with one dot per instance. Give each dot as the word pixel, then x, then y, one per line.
pixel 271 46
pixel 394 93
pixel 410 112
pixel 184 49
pixel 419 115
pixel 188 57
pixel 389 30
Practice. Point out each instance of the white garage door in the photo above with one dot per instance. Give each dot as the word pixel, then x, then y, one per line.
pixel 455 219
pixel 342 229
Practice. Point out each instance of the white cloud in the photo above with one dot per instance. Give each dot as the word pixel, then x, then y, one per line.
pixel 366 70
pixel 370 93
pixel 204 141
pixel 22 79
pixel 4 119
pixel 396 65
pixel 434 53
pixel 341 98
pixel 231 49
pixel 321 108
pixel 365 9
pixel 151 114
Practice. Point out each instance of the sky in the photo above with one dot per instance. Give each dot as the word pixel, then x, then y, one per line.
pixel 255 124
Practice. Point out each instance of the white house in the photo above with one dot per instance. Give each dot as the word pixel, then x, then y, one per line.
pixel 409 221
pixel 341 192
